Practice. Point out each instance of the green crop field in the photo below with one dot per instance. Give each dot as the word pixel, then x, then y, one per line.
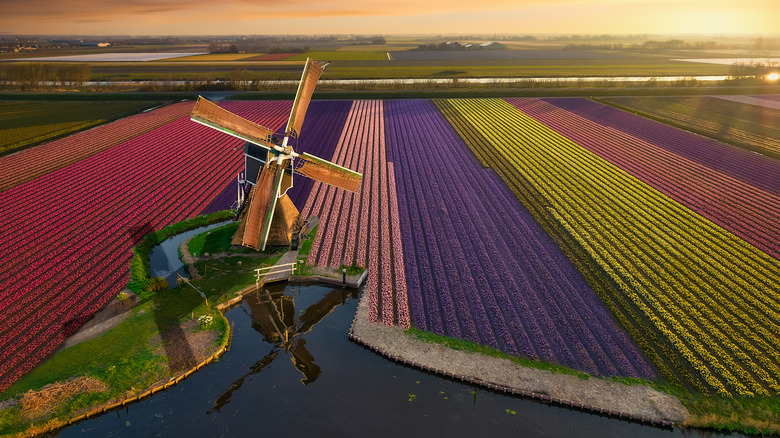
pixel 341 56
pixel 519 68
pixel 374 48
pixel 749 126
pixel 212 57
pixel 24 124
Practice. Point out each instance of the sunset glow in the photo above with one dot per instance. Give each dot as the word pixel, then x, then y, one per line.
pixel 264 17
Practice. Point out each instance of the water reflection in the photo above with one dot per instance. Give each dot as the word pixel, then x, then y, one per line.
pixel 254 389
pixel 275 316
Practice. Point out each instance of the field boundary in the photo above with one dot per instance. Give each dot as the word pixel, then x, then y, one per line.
pixel 648 405
pixel 57 425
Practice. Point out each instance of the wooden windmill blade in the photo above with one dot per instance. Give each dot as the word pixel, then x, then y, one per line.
pixel 329 173
pixel 262 206
pixel 311 74
pixel 269 214
pixel 212 115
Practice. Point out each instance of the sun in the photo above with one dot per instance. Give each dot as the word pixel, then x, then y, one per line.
pixel 773 76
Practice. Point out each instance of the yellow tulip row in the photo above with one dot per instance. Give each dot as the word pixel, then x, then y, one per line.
pixel 658 351
pixel 709 294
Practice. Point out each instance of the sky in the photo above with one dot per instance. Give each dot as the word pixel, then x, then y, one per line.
pixel 388 17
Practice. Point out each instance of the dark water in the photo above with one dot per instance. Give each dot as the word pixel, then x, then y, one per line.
pixel 164 259
pixel 292 371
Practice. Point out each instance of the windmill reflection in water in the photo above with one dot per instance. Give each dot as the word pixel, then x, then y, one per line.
pixel 274 316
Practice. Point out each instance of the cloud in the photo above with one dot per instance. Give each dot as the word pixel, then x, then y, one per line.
pixel 346 16
pixel 238 10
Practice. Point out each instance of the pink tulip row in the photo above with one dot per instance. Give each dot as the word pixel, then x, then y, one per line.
pixel 746 211
pixel 359 228
pixel 76 227
pixel 19 306
pixel 757 170
pixel 31 163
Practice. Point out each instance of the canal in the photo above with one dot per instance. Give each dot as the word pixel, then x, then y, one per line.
pixel 292 370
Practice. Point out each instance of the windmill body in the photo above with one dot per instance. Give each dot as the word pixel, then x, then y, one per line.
pixel 267 214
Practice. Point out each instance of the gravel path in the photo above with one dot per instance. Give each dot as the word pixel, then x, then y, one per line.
pixel 637 402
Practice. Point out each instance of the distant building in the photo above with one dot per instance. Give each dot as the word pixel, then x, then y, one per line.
pixel 93 44
pixel 492 45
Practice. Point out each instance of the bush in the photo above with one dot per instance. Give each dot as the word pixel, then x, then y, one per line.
pixel 156 284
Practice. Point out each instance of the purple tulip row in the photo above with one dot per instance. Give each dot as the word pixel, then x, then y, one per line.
pixel 477 264
pixel 750 213
pixel 758 170
pixel 75 228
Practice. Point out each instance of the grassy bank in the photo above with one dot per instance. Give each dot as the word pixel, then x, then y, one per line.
pixel 750 415
pixel 140 352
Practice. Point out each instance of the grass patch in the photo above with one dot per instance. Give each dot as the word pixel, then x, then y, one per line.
pixel 305 247
pixel 375 48
pixel 449 73
pixel 213 241
pixel 463 345
pixel 749 415
pixel 124 348
pixel 213 57
pixel 352 270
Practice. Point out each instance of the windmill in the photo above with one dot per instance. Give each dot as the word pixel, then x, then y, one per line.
pixel 267 214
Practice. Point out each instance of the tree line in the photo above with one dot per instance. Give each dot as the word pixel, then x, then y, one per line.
pixel 43 75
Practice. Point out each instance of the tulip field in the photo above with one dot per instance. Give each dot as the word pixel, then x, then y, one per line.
pixel 753 127
pixel 703 302
pixel 32 163
pixel 757 170
pixel 66 236
pixel 561 230
pixel 362 228
pixel 746 211
pixel 479 267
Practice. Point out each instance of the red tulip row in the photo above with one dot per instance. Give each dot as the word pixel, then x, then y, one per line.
pixel 358 228
pixel 65 237
pixel 31 163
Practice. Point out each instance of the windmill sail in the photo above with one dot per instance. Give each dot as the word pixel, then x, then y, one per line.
pixel 262 207
pixel 329 173
pixel 311 74
pixel 211 114
pixel 270 214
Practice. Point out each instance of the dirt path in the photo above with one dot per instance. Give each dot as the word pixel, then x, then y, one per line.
pixel 637 402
